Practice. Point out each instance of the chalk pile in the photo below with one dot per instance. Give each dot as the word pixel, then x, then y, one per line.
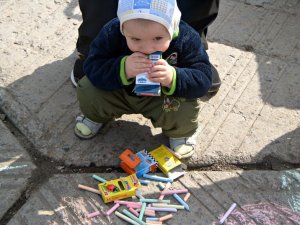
pixel 145 211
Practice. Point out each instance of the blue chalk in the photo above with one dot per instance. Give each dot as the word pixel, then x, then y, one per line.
pixel 144 182
pixel 151 219
pixel 157 178
pixel 99 178
pixel 180 200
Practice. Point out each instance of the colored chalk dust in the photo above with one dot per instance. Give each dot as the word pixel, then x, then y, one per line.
pixel 262 213
pixel 290 184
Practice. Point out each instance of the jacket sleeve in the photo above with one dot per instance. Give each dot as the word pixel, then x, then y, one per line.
pixel 193 74
pixel 103 65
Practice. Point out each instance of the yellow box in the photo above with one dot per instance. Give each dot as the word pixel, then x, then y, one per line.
pixel 119 188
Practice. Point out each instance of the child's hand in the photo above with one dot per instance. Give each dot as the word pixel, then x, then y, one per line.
pixel 162 73
pixel 137 63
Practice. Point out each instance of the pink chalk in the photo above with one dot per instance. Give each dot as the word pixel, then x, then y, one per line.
pixel 168 185
pixel 148 212
pixel 91 215
pixel 134 212
pixel 161 197
pixel 169 192
pixel 186 197
pixel 134 205
pixel 112 209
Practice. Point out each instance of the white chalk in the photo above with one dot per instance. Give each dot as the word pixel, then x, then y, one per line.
pixel 232 207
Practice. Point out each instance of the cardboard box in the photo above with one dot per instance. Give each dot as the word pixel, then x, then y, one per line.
pixel 124 187
pixel 139 163
pixel 167 162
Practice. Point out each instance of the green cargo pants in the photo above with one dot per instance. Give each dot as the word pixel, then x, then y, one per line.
pixel 176 116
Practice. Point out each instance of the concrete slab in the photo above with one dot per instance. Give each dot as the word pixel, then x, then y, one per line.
pixel 262 197
pixel 15 169
pixel 256 108
pixel 267 27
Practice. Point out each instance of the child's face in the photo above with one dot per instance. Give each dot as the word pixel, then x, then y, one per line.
pixel 146 36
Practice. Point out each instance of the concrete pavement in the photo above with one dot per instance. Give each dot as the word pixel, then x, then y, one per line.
pixel 254 45
pixel 253 119
pixel 16 169
pixel 263 197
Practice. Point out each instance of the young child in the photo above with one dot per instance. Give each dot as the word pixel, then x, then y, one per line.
pixel 120 52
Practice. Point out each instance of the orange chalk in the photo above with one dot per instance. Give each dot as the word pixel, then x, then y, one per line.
pixel 83 187
pixel 186 197
pixel 166 217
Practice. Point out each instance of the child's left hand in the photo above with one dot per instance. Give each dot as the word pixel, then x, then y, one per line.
pixel 162 73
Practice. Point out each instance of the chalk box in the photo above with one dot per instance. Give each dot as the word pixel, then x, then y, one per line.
pixel 124 187
pixel 167 162
pixel 139 163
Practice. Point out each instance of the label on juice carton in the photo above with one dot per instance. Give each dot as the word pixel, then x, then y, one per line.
pixel 144 86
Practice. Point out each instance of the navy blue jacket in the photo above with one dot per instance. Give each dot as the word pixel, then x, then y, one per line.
pixel 186 54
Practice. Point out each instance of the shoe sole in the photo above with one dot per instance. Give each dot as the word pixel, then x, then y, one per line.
pixel 73 79
pixel 82 137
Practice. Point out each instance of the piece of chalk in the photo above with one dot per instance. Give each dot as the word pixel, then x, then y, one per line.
pixel 154 222
pixel 112 209
pixel 91 215
pixel 157 178
pixel 130 215
pixel 139 194
pixel 166 217
pixel 148 212
pixel 83 187
pixel 169 192
pixel 176 196
pixel 99 178
pixel 127 202
pixel 186 197
pixel 232 207
pixel 126 218
pixel 142 211
pixel 144 182
pixel 163 187
pixel 133 211
pixel 150 200
pixel 151 219
pixel 161 197
pixel 160 205
pixel 162 209
pixel 134 205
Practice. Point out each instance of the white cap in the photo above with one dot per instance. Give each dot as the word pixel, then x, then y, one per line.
pixel 165 12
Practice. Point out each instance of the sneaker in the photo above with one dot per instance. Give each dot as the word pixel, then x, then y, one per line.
pixel 182 147
pixel 86 128
pixel 77 72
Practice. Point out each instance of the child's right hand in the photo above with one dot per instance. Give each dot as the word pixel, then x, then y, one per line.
pixel 137 63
